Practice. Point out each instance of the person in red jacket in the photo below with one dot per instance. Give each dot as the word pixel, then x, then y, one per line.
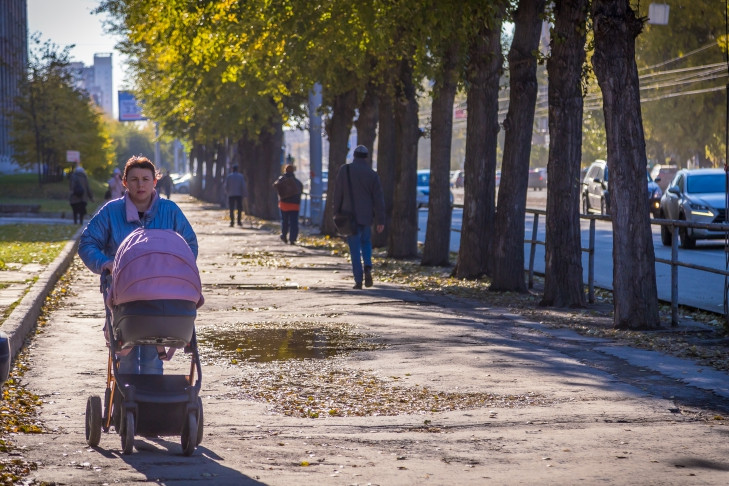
pixel 289 190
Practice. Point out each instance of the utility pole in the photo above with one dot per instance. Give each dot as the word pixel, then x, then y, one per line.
pixel 315 156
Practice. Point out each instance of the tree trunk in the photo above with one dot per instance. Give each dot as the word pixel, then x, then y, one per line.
pixel 438 230
pixel 386 153
pixel 403 235
pixel 265 169
pixel 196 166
pixel 563 254
pixel 634 273
pixel 482 129
pixel 338 127
pixel 367 121
pixel 518 126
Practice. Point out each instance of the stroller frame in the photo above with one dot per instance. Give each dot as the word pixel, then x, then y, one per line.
pixel 147 405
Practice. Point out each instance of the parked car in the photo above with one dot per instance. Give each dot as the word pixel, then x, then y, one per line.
pixel 663 175
pixel 595 190
pixel 654 196
pixel 423 189
pixel 181 184
pixel 538 178
pixel 457 178
pixel 697 196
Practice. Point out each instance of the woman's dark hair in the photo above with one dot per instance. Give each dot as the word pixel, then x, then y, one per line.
pixel 140 162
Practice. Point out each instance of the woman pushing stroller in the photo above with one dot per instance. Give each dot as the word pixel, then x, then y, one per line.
pixel 140 207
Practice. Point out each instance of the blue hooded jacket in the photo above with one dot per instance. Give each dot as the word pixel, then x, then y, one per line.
pixel 118 218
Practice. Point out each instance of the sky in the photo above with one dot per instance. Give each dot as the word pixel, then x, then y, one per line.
pixel 66 22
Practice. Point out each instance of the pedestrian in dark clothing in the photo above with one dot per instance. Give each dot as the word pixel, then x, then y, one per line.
pixel 235 188
pixel 80 193
pixel 165 184
pixel 289 190
pixel 369 206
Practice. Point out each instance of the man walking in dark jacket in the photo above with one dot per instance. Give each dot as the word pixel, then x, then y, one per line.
pixel 369 205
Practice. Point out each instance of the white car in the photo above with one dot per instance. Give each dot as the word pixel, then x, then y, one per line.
pixel 182 184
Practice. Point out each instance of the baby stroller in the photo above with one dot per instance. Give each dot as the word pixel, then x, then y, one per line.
pixel 151 299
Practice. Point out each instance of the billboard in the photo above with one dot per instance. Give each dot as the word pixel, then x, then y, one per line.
pixel 129 109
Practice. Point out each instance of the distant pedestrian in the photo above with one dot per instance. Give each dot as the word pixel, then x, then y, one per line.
pixel 165 184
pixel 363 183
pixel 289 190
pixel 80 194
pixel 116 187
pixel 235 188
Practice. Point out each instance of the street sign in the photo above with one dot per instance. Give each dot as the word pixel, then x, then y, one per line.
pixel 73 156
pixel 129 108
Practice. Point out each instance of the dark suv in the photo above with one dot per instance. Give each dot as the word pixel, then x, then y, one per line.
pixel 595 190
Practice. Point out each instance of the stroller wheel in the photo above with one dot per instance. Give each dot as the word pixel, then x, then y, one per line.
pixel 199 420
pixel 189 434
pixel 93 420
pixel 127 433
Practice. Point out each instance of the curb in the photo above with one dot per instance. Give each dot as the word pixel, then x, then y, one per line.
pixel 24 317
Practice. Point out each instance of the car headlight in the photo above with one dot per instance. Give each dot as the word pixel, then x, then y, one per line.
pixel 657 193
pixel 701 209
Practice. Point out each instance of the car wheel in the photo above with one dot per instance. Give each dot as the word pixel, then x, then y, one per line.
pixel 665 235
pixel 585 204
pixel 686 241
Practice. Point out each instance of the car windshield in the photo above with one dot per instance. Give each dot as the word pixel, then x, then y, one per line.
pixel 424 179
pixel 705 183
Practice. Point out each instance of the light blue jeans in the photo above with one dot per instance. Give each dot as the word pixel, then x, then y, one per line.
pixel 360 247
pixel 142 360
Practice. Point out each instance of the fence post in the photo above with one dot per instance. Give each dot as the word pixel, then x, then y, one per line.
pixel 674 276
pixel 533 249
pixel 591 263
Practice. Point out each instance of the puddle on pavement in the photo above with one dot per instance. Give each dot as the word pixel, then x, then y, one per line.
pixel 264 345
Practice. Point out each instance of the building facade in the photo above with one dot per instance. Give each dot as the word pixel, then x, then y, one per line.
pixel 13 61
pixel 97 81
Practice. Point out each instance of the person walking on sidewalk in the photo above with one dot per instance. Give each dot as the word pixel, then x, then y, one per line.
pixel 140 207
pixel 235 188
pixel 116 187
pixel 80 194
pixel 289 190
pixel 369 204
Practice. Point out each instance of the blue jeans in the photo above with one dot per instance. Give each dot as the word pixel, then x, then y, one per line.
pixel 290 225
pixel 360 247
pixel 142 360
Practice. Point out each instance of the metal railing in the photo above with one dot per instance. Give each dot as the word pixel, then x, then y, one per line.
pixel 590 250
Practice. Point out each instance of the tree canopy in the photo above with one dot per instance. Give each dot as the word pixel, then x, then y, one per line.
pixel 54 116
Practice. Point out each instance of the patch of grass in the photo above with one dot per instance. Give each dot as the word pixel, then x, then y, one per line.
pixel 52 196
pixel 33 243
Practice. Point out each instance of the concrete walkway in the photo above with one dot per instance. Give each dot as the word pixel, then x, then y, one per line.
pixel 555 407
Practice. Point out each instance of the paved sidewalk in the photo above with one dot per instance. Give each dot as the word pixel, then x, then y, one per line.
pixel 564 408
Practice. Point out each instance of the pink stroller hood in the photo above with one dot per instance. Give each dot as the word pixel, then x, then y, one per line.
pixel 153 264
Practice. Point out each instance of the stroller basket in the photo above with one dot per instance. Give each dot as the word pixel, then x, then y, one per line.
pixel 163 322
